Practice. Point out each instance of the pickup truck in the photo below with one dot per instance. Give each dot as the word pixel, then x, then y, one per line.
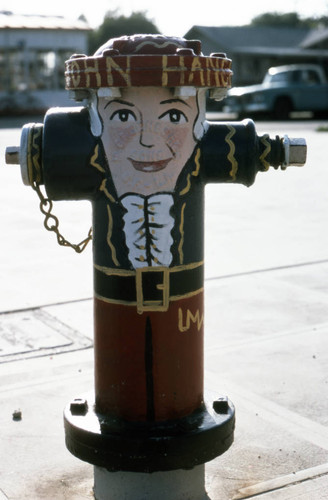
pixel 295 87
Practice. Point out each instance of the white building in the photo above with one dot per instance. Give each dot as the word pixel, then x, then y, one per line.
pixel 33 50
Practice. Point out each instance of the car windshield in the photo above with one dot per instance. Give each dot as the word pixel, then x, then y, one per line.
pixel 281 77
pixel 301 76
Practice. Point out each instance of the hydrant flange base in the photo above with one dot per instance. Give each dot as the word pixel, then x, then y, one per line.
pixel 116 444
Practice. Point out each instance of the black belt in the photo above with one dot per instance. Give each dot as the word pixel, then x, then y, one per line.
pixel 150 288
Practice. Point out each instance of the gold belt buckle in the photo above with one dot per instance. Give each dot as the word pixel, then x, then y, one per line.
pixel 146 284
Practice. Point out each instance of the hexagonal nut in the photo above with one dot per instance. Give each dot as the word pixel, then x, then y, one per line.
pixel 221 405
pixel 297 152
pixel 12 155
pixel 79 406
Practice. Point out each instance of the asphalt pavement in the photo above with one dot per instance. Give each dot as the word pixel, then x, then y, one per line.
pixel 266 330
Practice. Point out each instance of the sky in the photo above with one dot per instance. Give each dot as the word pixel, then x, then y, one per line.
pixel 172 17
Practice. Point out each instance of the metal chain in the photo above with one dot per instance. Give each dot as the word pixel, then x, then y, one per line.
pixel 51 223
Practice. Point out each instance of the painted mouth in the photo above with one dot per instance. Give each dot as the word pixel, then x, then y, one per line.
pixel 149 166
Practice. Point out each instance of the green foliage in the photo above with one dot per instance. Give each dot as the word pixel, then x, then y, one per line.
pixel 115 25
pixel 315 22
pixel 276 19
pixel 289 19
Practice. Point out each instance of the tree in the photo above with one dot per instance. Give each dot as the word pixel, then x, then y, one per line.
pixel 276 19
pixel 115 25
pixel 289 19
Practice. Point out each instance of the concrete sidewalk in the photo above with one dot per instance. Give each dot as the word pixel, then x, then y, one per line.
pixel 266 333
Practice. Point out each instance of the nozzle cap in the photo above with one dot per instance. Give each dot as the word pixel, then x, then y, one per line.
pixel 295 151
pixel 12 155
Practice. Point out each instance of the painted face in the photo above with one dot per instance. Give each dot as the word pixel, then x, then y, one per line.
pixel 148 138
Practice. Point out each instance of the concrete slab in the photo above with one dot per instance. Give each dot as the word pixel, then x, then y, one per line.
pixel 77 314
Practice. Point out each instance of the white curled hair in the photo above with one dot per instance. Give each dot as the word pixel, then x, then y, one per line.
pixel 95 120
pixel 200 125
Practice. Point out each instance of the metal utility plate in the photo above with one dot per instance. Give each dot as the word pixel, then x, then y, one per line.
pixel 35 333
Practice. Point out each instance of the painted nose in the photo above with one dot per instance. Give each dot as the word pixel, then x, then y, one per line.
pixel 147 138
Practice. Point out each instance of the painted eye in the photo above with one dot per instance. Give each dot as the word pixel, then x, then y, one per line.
pixel 123 115
pixel 174 116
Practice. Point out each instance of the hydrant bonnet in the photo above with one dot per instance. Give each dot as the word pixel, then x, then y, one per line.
pixel 148 60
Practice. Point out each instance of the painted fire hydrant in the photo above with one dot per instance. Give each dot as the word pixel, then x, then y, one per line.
pixel 142 152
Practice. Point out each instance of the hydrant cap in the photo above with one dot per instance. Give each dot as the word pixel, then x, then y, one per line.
pixel 148 60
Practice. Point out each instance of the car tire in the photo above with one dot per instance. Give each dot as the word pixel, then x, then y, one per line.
pixel 283 106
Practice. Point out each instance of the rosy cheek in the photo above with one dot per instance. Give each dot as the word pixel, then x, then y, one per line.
pixel 176 137
pixel 121 137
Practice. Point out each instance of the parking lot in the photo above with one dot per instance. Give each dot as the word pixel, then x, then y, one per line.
pixel 266 342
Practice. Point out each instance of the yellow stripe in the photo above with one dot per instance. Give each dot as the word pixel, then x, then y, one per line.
pixel 180 248
pixel 164 72
pixel 94 158
pixel 231 158
pixel 195 173
pixel 109 271
pixel 109 235
pixel 186 189
pixel 105 190
pixel 37 155
pixel 154 307
pixel 265 153
pixel 187 295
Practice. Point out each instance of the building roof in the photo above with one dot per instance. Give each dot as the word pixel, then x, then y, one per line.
pixel 242 38
pixel 316 38
pixel 8 20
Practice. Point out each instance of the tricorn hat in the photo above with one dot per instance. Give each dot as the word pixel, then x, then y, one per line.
pixel 149 60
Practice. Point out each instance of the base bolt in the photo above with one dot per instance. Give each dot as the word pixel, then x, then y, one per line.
pixel 79 406
pixel 221 405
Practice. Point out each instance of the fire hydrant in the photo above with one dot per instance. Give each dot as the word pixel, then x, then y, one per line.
pixel 142 151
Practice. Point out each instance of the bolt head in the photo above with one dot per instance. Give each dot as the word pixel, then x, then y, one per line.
pixel 12 155
pixel 79 406
pixel 221 405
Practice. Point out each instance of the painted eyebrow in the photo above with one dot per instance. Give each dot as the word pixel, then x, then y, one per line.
pixel 169 101
pixel 120 101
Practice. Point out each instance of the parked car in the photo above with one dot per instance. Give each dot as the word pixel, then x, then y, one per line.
pixel 295 87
